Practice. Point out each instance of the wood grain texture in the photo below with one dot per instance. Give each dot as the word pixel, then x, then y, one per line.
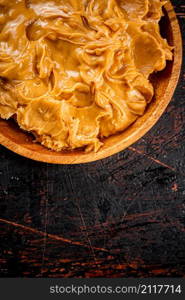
pixel 164 82
pixel 120 217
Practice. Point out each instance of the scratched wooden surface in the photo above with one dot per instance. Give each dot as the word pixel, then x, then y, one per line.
pixel 120 217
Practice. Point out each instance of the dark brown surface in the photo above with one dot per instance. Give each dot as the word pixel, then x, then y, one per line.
pixel 120 217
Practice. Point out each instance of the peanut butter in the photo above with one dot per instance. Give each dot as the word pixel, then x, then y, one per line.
pixel 73 72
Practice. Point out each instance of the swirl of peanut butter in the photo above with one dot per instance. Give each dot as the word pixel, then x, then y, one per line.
pixel 73 72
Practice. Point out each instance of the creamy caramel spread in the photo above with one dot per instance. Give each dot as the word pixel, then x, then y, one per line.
pixel 73 72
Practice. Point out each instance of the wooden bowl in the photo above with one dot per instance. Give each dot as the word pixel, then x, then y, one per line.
pixel 165 83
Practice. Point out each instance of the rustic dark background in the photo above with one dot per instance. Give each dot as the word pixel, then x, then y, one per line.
pixel 120 217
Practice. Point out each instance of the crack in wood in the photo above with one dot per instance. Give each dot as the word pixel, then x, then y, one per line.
pixel 153 159
pixel 51 236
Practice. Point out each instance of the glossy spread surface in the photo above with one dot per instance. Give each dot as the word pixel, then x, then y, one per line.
pixel 73 72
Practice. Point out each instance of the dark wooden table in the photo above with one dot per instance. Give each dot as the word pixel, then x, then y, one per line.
pixel 120 217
